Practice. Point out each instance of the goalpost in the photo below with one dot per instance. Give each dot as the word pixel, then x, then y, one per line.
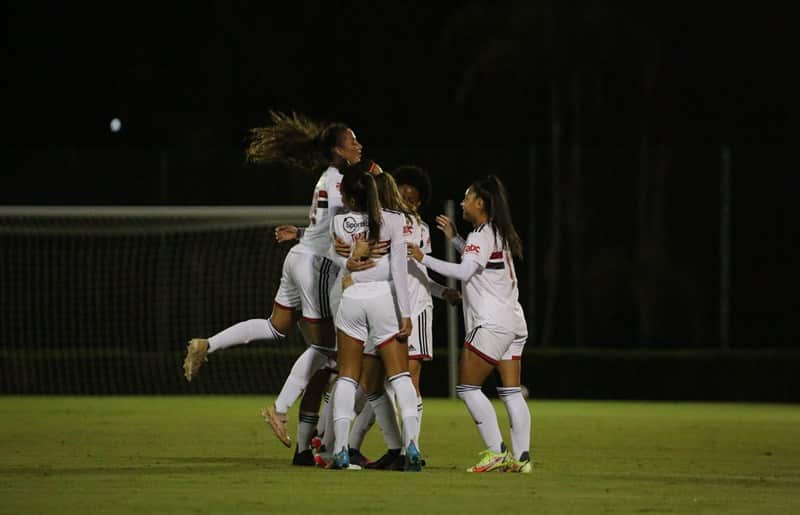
pixel 102 299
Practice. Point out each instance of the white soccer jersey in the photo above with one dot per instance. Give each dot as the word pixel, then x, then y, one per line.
pixel 490 297
pixel 419 292
pixel 392 267
pixel 326 203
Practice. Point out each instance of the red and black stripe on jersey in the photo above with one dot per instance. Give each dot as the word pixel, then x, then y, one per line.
pixel 322 198
pixel 496 261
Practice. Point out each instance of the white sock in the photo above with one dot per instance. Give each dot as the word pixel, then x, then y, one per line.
pixel 244 332
pixel 326 407
pixel 520 418
pixel 306 425
pixel 361 425
pixel 328 433
pixel 387 420
pixel 344 399
pixel 407 404
pixel 419 419
pixel 303 369
pixel 483 414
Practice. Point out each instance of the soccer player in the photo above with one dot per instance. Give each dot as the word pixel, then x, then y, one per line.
pixel 308 275
pixel 373 318
pixel 494 322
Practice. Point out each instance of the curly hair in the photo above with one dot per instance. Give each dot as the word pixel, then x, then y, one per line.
pixel 416 177
pixel 295 140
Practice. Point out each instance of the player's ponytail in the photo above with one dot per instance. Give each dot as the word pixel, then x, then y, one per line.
pixel 359 187
pixel 294 140
pixel 495 202
pixel 390 196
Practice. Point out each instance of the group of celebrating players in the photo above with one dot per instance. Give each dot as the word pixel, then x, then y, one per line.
pixel 357 284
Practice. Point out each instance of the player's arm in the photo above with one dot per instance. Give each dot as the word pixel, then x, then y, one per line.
pixel 398 265
pixel 288 233
pixel 462 271
pixel 444 224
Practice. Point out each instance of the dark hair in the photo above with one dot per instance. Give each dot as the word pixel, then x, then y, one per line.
pixel 416 177
pixel 295 140
pixel 390 196
pixel 360 188
pixel 495 202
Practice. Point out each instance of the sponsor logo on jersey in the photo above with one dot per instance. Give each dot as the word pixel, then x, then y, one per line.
pixel 472 248
pixel 351 225
pixel 408 229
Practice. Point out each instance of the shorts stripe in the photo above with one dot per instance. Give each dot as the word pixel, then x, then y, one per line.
pixel 324 299
pixel 483 356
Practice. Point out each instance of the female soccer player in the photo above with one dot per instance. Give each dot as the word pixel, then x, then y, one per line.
pixel 495 326
pixel 367 321
pixel 307 275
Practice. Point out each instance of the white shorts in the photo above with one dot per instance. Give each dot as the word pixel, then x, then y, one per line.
pixel 306 282
pixel 495 346
pixel 367 313
pixel 420 343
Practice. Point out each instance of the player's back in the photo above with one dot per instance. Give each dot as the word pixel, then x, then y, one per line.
pixel 354 226
pixel 325 204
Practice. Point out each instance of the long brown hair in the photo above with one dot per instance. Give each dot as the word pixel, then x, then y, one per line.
pixel 295 140
pixel 390 197
pixel 495 204
pixel 359 187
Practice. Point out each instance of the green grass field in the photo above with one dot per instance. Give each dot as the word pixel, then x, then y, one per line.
pixel 215 455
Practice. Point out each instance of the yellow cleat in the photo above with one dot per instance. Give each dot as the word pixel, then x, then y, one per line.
pixel 196 355
pixel 522 465
pixel 490 461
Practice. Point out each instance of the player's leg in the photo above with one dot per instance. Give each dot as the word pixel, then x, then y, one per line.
pixel 519 414
pixel 309 418
pixel 313 277
pixel 420 349
pixel 395 359
pixel 365 418
pixel 481 354
pixel 372 382
pixel 349 358
pixel 275 328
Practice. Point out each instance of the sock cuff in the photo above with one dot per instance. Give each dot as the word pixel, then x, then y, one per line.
pixel 275 333
pixel 345 379
pixel 374 397
pixel 508 391
pixel 308 418
pixel 400 375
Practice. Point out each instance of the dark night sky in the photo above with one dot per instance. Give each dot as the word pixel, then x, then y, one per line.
pixel 176 74
pixel 458 87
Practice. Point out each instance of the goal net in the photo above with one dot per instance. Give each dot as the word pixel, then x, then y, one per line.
pixel 102 300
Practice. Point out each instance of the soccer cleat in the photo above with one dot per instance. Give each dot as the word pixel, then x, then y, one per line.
pixel 490 461
pixel 413 461
pixel 522 465
pixel 316 444
pixel 304 458
pixel 387 461
pixel 357 458
pixel 341 461
pixel 277 421
pixel 196 355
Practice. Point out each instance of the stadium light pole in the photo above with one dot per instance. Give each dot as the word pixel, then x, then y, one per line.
pixel 725 248
pixel 452 313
